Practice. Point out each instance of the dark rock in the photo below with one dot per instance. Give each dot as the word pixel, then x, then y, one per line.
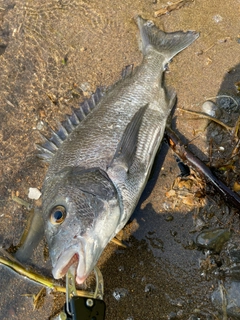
pixel 213 239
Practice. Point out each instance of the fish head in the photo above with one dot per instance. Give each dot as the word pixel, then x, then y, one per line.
pixel 82 212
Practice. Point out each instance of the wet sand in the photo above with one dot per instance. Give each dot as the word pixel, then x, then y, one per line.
pixel 53 54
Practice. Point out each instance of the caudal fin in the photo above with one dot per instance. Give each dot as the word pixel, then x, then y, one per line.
pixel 169 44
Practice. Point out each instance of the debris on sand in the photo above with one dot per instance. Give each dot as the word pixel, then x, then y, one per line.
pixel 190 159
pixel 34 194
pixel 170 7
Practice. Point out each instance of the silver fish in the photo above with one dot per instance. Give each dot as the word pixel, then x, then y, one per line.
pixel 101 157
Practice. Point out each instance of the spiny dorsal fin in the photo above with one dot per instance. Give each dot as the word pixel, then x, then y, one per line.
pixel 50 145
pixel 126 72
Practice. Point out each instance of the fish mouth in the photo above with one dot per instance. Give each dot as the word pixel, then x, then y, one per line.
pixel 66 260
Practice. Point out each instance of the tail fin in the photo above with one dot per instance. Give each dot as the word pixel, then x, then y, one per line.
pixel 169 44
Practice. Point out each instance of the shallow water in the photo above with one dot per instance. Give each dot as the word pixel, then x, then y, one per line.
pixel 52 55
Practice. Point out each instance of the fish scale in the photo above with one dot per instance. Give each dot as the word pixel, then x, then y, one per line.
pixel 101 157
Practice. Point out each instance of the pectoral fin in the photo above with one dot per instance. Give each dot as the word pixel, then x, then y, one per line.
pixel 127 146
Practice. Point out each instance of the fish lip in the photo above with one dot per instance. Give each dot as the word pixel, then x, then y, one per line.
pixel 80 280
pixel 66 259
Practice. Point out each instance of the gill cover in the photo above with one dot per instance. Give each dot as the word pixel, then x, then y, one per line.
pixel 77 192
pixel 82 212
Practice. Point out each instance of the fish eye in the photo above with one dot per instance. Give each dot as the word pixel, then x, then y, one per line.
pixel 58 215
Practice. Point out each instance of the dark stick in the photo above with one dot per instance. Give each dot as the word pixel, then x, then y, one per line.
pixel 187 156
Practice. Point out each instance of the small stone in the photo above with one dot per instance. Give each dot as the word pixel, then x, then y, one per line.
pixel 172 315
pixel 121 268
pixel 196 310
pixel 165 206
pixel 208 107
pixel 149 287
pixel 228 104
pixel 169 217
pixel 213 239
pixel 120 293
pixel 211 109
pixel 217 18
pixel 40 125
pixel 34 194
pixel 173 233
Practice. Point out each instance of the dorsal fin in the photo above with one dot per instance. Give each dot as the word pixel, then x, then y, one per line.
pixel 126 72
pixel 50 145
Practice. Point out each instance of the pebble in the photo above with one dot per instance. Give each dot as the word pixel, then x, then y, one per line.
pixel 121 268
pixel 173 233
pixel 40 125
pixel 228 104
pixel 149 287
pixel 169 217
pixel 211 109
pixel 34 194
pixel 217 18
pixel 165 206
pixel 213 239
pixel 120 293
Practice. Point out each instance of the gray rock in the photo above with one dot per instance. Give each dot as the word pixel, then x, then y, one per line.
pixel 226 298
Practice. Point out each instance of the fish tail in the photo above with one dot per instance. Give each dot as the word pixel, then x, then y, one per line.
pixel 169 44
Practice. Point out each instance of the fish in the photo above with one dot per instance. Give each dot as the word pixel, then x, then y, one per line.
pixel 101 156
